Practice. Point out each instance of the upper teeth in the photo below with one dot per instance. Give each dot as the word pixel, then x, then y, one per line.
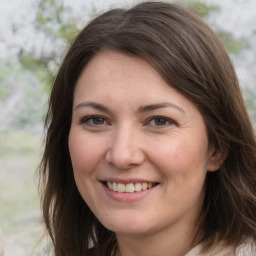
pixel 129 188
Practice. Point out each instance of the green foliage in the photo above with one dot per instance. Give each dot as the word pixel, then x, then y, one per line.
pixel 2 92
pixel 24 96
pixel 201 8
pixel 93 12
pixel 4 72
pixel 250 98
pixel 32 75
pixel 35 74
pixel 39 67
pixel 54 20
pixel 232 45
pixel 19 156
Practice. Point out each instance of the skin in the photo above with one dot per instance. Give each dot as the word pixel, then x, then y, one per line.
pixel 125 140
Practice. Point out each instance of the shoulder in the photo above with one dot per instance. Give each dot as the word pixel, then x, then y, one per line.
pixel 94 251
pixel 216 250
pixel 248 248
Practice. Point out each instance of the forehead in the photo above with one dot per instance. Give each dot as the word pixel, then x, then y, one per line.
pixel 111 76
pixel 114 71
pixel 119 65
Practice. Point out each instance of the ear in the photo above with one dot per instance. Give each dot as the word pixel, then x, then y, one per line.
pixel 216 159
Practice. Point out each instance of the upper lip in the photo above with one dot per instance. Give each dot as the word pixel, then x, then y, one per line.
pixel 127 181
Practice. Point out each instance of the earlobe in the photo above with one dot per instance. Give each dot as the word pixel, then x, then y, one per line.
pixel 216 159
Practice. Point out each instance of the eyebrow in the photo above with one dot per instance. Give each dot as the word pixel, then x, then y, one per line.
pixel 93 105
pixel 141 109
pixel 158 106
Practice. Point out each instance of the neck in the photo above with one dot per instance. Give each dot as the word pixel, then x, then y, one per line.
pixel 164 243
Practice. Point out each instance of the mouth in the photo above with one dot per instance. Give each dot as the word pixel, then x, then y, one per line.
pixel 130 187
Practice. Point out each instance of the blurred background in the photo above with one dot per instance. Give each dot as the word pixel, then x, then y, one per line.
pixel 34 36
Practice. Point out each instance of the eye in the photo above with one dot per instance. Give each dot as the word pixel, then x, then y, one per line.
pixel 94 121
pixel 160 121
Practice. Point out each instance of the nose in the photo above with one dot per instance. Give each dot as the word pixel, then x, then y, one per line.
pixel 125 149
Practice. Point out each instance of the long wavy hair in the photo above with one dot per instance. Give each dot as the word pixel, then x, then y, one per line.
pixel 190 57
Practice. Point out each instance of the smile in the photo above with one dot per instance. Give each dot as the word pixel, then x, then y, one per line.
pixel 130 187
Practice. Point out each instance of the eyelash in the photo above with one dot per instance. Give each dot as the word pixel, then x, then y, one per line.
pixel 165 119
pixel 86 120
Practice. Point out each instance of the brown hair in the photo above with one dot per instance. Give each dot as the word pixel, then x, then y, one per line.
pixel 189 57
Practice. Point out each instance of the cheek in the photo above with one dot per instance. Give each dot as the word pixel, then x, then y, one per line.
pixel 84 152
pixel 168 153
pixel 85 156
pixel 180 155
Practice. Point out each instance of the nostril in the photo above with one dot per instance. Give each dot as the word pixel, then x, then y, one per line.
pixel 125 159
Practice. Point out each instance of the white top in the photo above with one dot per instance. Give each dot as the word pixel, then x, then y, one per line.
pixel 246 249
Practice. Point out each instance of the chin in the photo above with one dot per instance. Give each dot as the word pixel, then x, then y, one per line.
pixel 128 226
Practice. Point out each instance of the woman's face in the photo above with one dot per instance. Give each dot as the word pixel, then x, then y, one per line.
pixel 139 148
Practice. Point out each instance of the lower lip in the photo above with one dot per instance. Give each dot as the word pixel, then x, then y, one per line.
pixel 128 197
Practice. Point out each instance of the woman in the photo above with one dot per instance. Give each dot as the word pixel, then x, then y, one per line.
pixel 149 149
